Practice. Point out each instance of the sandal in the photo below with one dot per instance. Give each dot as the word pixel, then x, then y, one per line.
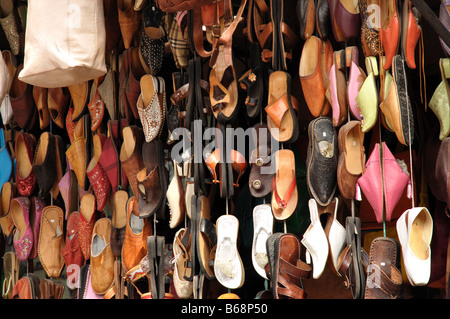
pixel 259 181
pixel 183 288
pixel 285 269
pixel 262 230
pixel 384 278
pixel 284 185
pixel 281 118
pixel 228 266
pixel 206 238
pixel 190 241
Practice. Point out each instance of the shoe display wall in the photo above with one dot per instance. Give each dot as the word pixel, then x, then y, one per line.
pixel 225 149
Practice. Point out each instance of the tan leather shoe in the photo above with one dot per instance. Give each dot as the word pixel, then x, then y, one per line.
pixel 51 240
pixel 8 192
pixel 86 224
pixel 131 154
pixel 134 246
pixel 102 258
pixel 76 154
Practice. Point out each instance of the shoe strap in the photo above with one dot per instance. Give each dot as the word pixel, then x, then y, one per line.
pixel 282 202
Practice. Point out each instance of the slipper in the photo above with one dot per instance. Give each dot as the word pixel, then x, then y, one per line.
pixel 355 79
pixel 367 98
pixel 206 237
pixel 11 274
pixel 190 242
pixel 286 270
pixel 337 89
pixel 228 266
pixel 175 199
pixel 384 278
pixel 183 288
pixel 284 185
pixel 306 15
pixel 440 101
pixel 262 229
pixel 281 118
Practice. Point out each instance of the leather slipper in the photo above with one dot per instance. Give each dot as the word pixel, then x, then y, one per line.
pixel 175 198
pixel 281 118
pixel 284 185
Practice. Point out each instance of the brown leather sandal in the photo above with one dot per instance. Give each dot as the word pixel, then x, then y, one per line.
pixel 284 185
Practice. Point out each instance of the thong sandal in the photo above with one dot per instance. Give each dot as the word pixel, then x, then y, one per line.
pixel 206 238
pixel 262 228
pixel 285 269
pixel 284 185
pixel 281 118
pixel 228 265
pixel 223 90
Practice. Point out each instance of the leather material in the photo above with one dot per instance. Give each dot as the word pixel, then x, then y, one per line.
pixel 260 178
pixel 442 172
pixel 8 192
pixel 370 38
pixel 131 155
pixel 24 151
pixel 119 221
pixel 180 5
pixel 96 110
pixel 68 187
pixel 23 235
pixel 22 102
pixel 396 106
pixel 338 89
pixel 356 78
pixel 99 182
pixel 51 241
pixel 411 31
pixel 71 252
pixel 37 205
pixel 367 98
pixel 27 287
pixel 440 101
pixel 352 158
pixel 129 22
pixel 76 155
pixel 112 27
pixel 322 160
pixel 10 26
pixel 102 258
pixel 49 289
pixel 384 280
pixel 444 17
pixel 390 30
pixel 306 14
pixel 80 94
pixel 40 99
pixel 323 26
pixel 346 15
pixel 135 242
pixel 88 217
pixel 44 163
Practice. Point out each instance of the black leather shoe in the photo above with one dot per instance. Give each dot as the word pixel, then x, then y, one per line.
pixel 322 160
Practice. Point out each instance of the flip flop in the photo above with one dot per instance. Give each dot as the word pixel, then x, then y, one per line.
pixel 284 185
pixel 228 266
pixel 281 118
pixel 262 229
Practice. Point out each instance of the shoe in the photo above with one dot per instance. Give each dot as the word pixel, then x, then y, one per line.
pixel 76 155
pixel 337 92
pixel 8 192
pixel 396 106
pixel 206 237
pixel 442 172
pixel 134 246
pixel 175 198
pixel 131 155
pixel 5 160
pixel 118 221
pixel 25 145
pixel 80 95
pixel 68 187
pixel 262 229
pixel 286 270
pixel 415 229
pixel 284 185
pixel 440 101
pixel 347 18
pixel 58 104
pixel 36 208
pixel 9 25
pixel 183 288
pixel 97 111
pixel 367 98
pixel 129 21
pixel 51 241
pixel 71 252
pixel 444 17
pixel 306 15
pixel 281 116
pixel 228 267
pixel 410 32
pixel 384 278
pixel 88 217
pixel 44 163
pixel 335 232
pixel 352 158
pixel 261 174
pixel 390 29
pixel 10 274
pixel 102 258
pixel 40 98
pixel 22 102
pixel 356 79
pixel 23 234
pixel 322 156
pixel 315 241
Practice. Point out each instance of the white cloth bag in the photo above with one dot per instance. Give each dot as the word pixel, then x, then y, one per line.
pixel 64 42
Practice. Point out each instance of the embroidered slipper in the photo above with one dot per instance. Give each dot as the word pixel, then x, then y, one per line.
pixel 284 185
pixel 281 118
pixel 262 229
pixel 228 266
